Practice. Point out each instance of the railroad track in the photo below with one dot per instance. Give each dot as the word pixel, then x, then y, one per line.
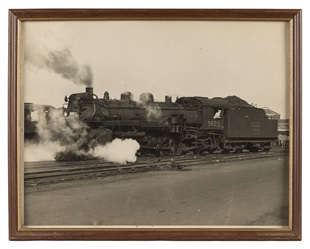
pixel 45 172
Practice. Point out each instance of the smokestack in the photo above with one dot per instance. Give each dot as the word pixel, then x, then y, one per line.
pixel 63 63
pixel 89 93
pixel 89 90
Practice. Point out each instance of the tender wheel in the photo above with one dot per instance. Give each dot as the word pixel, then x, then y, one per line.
pixel 253 148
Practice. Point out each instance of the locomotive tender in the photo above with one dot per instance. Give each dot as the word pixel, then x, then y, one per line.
pixel 197 124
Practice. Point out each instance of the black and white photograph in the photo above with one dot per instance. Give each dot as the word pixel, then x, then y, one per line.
pixel 149 124
pixel 155 123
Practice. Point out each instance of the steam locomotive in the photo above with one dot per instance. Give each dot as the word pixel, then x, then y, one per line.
pixel 196 124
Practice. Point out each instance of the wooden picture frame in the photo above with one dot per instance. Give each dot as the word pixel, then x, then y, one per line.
pixel 16 229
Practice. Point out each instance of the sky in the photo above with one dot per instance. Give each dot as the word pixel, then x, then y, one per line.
pixel 249 59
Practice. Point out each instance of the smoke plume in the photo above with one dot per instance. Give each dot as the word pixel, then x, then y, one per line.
pixel 62 62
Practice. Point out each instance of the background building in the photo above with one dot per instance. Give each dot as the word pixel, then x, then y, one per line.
pixel 283 127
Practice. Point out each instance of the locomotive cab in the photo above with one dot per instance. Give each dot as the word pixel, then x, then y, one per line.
pixel 214 111
pixel 213 118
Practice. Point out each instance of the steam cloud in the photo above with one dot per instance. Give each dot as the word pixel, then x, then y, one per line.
pixel 153 112
pixel 62 62
pixel 68 134
pixel 119 151
pixel 44 151
pixel 57 135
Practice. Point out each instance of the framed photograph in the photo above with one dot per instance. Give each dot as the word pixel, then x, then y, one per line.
pixel 149 124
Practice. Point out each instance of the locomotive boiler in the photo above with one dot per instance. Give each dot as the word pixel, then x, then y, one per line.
pixel 196 124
